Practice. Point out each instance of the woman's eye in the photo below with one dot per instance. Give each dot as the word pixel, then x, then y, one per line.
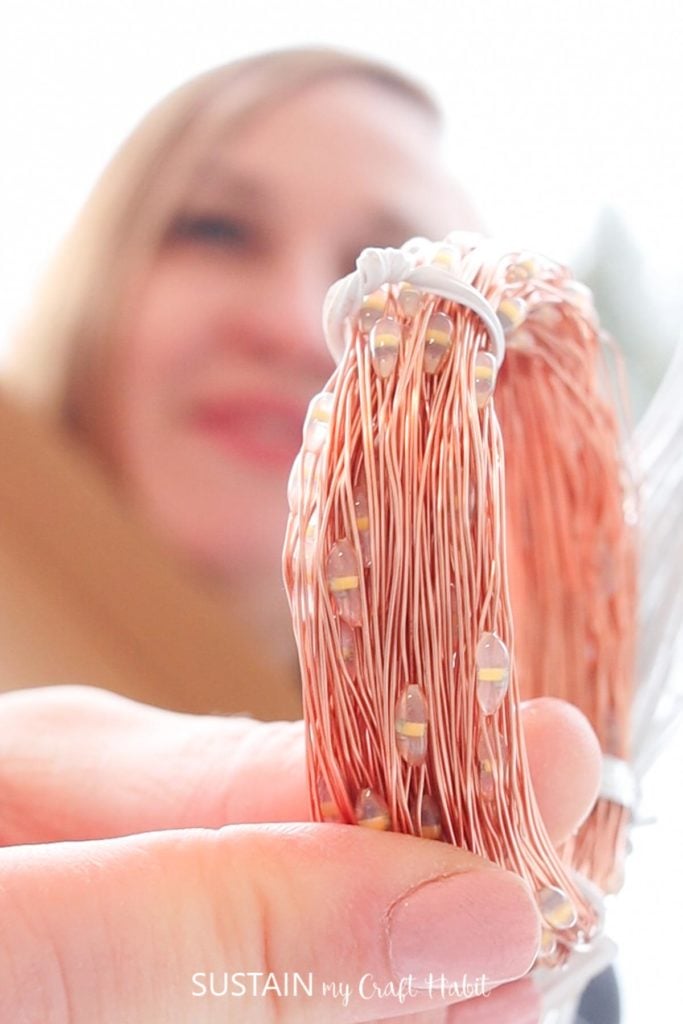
pixel 212 229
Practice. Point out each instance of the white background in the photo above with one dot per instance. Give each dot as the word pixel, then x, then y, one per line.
pixel 557 111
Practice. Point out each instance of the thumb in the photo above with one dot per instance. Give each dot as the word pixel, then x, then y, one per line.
pixel 261 923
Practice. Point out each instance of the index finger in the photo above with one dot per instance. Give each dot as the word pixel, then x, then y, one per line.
pixel 82 763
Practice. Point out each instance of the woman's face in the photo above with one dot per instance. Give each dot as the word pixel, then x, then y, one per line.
pixel 220 345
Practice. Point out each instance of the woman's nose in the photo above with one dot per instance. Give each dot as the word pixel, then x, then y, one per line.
pixel 286 317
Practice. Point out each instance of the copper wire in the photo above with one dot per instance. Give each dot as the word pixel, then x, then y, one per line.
pixel 572 548
pixel 439 486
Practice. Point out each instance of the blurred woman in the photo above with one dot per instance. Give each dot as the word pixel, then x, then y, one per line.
pixel 167 368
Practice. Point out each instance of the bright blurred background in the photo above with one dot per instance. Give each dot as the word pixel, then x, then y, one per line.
pixel 566 124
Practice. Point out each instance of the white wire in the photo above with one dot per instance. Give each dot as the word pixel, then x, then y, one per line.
pixel 659 695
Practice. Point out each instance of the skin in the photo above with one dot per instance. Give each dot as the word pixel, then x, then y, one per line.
pixel 194 853
pixel 232 306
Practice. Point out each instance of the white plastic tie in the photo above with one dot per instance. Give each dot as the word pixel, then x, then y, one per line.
pixel 618 783
pixel 375 267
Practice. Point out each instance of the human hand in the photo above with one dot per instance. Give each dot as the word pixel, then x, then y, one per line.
pixel 114 929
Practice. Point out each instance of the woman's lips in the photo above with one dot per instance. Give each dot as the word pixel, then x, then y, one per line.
pixel 257 429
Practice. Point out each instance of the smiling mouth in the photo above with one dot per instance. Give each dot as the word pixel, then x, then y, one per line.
pixel 257 432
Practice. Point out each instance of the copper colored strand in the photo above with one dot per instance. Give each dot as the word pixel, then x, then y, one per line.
pixel 432 466
pixel 572 568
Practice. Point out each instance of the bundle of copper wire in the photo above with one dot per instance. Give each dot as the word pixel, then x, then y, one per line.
pixel 572 545
pixel 397 550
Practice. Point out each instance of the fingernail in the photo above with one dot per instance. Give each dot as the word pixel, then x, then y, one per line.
pixel 462 928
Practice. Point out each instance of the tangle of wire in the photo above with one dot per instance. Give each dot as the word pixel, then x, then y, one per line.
pixel 425 460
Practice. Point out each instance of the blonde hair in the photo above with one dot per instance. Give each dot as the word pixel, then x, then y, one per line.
pixel 58 353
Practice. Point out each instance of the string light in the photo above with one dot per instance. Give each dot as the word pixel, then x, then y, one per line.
pixel 411 688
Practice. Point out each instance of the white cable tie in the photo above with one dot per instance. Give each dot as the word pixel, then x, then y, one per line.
pixel 442 282
pixel 376 267
pixel 618 783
